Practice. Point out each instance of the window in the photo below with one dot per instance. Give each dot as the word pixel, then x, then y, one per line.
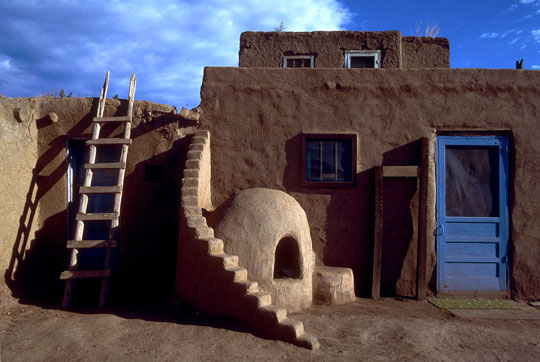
pixel 328 160
pixel 298 61
pixel 362 58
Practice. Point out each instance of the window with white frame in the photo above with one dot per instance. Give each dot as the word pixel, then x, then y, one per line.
pixel 328 159
pixel 298 61
pixel 362 58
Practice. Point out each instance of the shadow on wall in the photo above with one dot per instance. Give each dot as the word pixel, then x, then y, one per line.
pixel 348 221
pixel 149 224
pixel 150 201
pixel 28 273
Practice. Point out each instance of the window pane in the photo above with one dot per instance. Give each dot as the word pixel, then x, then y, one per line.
pixel 362 62
pixel 344 154
pixel 329 160
pixel 313 162
pixel 472 181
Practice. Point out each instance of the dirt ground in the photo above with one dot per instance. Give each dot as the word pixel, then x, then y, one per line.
pixel 365 330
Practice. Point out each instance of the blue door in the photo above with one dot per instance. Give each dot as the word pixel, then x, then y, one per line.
pixel 472 213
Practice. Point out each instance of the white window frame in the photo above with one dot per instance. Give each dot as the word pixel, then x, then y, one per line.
pixel 310 57
pixel 363 53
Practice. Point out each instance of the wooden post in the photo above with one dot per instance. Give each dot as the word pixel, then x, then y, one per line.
pixel 422 221
pixel 377 245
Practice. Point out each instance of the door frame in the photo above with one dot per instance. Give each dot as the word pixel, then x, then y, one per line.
pixel 504 222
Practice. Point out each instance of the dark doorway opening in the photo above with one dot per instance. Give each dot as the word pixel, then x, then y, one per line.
pixel 287 259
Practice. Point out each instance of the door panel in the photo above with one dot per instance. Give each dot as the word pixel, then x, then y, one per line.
pixel 472 213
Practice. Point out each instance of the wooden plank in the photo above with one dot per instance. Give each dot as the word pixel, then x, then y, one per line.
pixel 78 274
pixel 109 141
pixel 422 221
pixel 87 244
pixel 100 189
pixel 97 216
pixel 112 119
pixel 108 165
pixel 400 171
pixel 377 243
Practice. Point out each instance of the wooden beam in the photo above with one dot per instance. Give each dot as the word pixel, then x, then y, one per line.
pixel 422 222
pixel 87 244
pixel 97 216
pixel 108 165
pixel 112 119
pixel 400 171
pixel 78 274
pixel 377 243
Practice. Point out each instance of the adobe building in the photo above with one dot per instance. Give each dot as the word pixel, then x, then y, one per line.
pixel 294 186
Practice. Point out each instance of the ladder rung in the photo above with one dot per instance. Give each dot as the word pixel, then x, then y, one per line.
pixel 105 165
pixel 113 119
pixel 97 216
pixel 76 274
pixel 87 244
pixel 100 189
pixel 109 141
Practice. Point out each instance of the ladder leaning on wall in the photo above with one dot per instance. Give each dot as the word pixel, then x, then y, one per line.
pixel 89 190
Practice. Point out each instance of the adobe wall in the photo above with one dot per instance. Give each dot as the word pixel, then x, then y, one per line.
pixel 149 218
pixel 266 49
pixel 256 117
pixel 425 52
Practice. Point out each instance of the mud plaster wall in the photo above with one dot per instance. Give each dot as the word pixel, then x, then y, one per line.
pixel 425 52
pixel 256 117
pixel 266 49
pixel 149 219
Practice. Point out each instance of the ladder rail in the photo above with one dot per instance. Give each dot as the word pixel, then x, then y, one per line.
pixel 113 233
pixel 83 204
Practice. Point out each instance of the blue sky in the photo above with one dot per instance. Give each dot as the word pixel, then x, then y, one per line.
pixel 48 45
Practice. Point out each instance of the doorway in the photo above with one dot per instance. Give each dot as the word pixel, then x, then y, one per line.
pixel 472 213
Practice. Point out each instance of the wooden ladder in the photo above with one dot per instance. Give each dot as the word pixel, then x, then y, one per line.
pixel 88 190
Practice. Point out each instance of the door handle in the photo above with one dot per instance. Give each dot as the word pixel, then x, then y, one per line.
pixel 440 230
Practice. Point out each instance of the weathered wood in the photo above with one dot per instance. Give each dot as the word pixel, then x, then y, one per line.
pixel 109 141
pixel 112 119
pixel 377 244
pixel 87 244
pixel 400 171
pixel 422 221
pixel 100 189
pixel 78 274
pixel 86 189
pixel 107 165
pixel 97 216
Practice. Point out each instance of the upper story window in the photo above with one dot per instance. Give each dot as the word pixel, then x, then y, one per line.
pixel 362 58
pixel 298 61
pixel 328 160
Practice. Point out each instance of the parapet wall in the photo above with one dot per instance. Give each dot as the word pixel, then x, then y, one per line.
pixel 256 117
pixel 266 49
pixel 33 174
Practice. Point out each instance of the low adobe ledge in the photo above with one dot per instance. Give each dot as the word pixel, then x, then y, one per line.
pixel 207 277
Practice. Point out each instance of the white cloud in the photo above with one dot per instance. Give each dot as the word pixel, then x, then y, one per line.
pixel 527 1
pixel 167 43
pixel 513 41
pixel 536 35
pixel 489 35
pixel 535 67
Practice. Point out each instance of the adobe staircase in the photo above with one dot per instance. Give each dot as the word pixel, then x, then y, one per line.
pixel 79 244
pixel 212 280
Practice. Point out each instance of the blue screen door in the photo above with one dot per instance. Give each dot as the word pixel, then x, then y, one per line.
pixel 472 213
